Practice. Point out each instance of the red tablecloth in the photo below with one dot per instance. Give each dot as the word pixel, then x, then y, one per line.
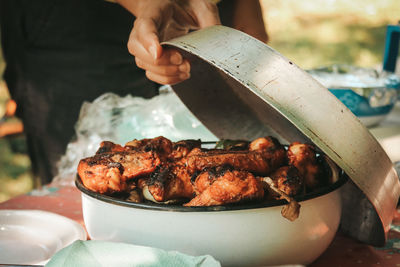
pixel 343 252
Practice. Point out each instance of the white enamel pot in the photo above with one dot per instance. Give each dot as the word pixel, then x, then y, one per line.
pixel 253 234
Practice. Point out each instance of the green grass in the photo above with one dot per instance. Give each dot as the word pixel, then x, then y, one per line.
pixel 15 175
pixel 323 32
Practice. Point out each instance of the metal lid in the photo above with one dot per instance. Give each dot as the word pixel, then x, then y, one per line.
pixel 241 88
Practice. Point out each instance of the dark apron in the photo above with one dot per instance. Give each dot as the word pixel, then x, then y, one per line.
pixel 60 54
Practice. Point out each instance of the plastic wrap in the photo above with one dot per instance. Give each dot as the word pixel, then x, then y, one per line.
pixel 121 119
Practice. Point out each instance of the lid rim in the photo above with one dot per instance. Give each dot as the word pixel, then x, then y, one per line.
pixel 296 105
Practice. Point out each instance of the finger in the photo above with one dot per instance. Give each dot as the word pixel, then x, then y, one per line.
pixel 168 57
pixel 161 79
pixel 145 33
pixel 164 70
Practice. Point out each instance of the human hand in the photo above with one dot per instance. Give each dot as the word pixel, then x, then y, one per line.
pixel 160 20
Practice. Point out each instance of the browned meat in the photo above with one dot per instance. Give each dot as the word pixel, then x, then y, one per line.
pixel 164 147
pixel 161 145
pixel 183 148
pixel 161 170
pixel 108 172
pixel 265 143
pixel 205 178
pixel 259 162
pixel 111 167
pixel 107 146
pixel 174 180
pixel 181 186
pixel 230 187
pixel 265 155
pixel 303 157
pixel 169 183
pixel 203 181
pixel 288 180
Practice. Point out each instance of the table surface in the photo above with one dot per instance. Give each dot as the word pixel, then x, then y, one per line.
pixel 343 251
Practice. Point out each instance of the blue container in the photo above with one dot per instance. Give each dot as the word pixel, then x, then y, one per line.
pixel 368 94
pixel 361 106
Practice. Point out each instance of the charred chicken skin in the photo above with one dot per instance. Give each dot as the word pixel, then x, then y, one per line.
pixel 108 172
pixel 288 180
pixel 113 165
pixel 174 180
pixel 228 186
pixel 264 156
pixel 170 182
pixel 200 177
pixel 304 158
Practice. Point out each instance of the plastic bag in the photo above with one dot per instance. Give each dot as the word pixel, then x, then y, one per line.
pixel 122 119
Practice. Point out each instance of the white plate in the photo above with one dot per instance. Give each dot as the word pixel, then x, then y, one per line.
pixel 33 236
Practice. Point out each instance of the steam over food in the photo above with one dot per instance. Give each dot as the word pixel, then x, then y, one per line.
pixel 183 172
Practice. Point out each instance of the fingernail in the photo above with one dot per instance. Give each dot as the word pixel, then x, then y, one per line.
pixel 153 51
pixel 185 67
pixel 184 75
pixel 176 59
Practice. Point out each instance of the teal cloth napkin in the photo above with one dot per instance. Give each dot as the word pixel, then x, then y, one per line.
pixel 102 253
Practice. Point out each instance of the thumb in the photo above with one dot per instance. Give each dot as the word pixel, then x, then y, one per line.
pixel 147 35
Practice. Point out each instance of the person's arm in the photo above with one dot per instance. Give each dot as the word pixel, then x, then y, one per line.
pixel 247 17
pixel 160 20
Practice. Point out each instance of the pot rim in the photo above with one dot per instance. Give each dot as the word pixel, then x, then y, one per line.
pixel 342 178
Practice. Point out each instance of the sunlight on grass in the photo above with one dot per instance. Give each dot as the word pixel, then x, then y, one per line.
pixel 15 176
pixel 10 187
pixel 322 32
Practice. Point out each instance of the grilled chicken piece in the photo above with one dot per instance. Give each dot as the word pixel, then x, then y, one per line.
pixel 260 162
pixel 229 186
pixel 161 145
pixel 303 157
pixel 164 147
pixel 182 148
pixel 265 143
pixel 170 183
pixel 288 180
pixel 204 179
pixel 174 181
pixel 182 170
pixel 108 172
pixel 113 165
pixel 107 146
